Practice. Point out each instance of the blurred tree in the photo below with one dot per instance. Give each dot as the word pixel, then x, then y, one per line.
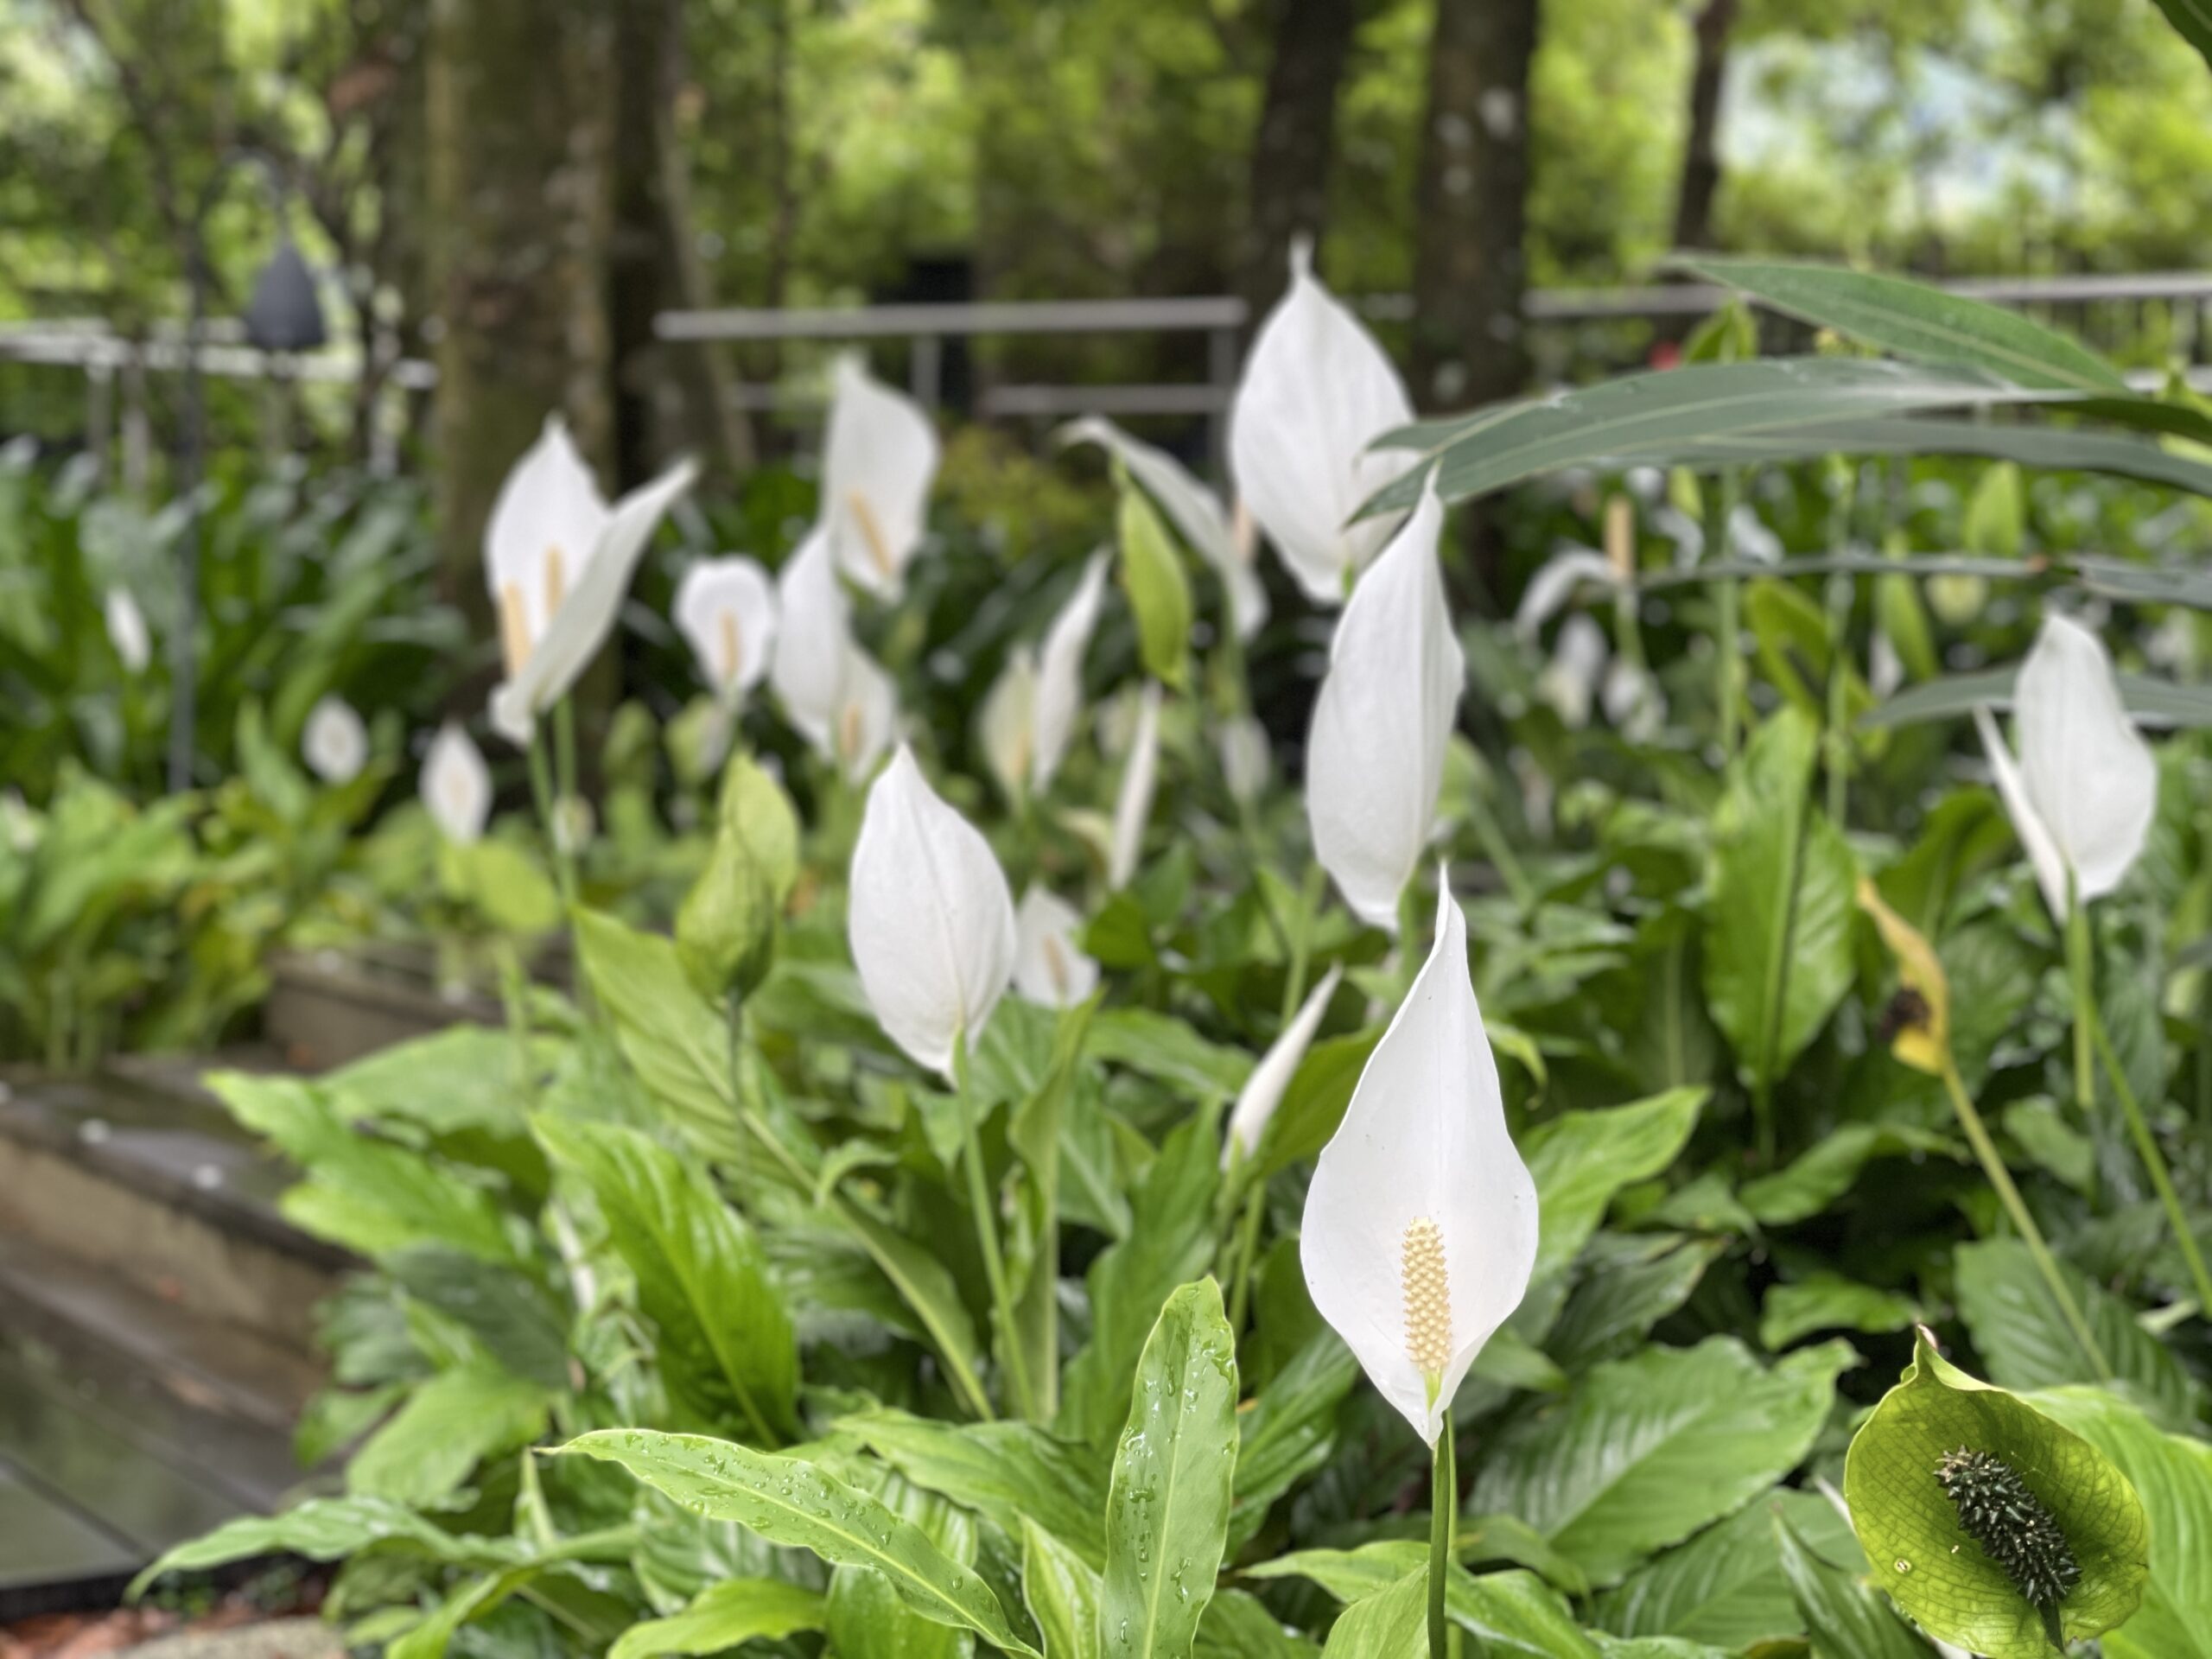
pixel 1293 145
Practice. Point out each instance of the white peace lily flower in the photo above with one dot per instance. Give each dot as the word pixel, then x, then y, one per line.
pixel 1555 583
pixel 457 786
pixel 931 919
pixel 1008 723
pixel 1317 390
pixel 127 630
pixel 1375 759
pixel 813 637
pixel 1421 1225
pixel 1751 538
pixel 1133 805
pixel 726 609
pixel 1633 700
pixel 1048 968
pixel 868 715
pixel 878 458
pixel 1264 1090
pixel 558 561
pixel 1059 674
pixel 2085 788
pixel 1245 758
pixel 334 743
pixel 1569 681
pixel 1195 511
pixel 1884 667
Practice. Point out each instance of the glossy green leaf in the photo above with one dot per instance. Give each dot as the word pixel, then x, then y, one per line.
pixel 448 1426
pixel 1391 1624
pixel 790 1502
pixel 1157 587
pixel 1007 1472
pixel 1647 1450
pixel 724 1615
pixel 2192 20
pixel 330 1529
pixel 1291 1426
pixel 1846 1619
pixel 1581 1159
pixel 1932 1568
pixel 678 1044
pixel 1313 1105
pixel 1236 1625
pixel 1828 1168
pixel 868 1618
pixel 727 1353
pixel 1061 1589
pixel 509 1313
pixel 1167 1509
pixel 1516 1614
pixel 1725 1586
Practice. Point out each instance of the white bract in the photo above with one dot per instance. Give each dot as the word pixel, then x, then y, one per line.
pixel 1264 1090
pixel 1317 391
pixel 558 561
pixel 1569 681
pixel 127 630
pixel 931 919
pixel 1133 805
pixel 1195 511
pixel 726 610
pixel 457 786
pixel 878 458
pixel 833 692
pixel 334 743
pixel 1421 1225
pixel 1375 759
pixel 1059 673
pixel 1048 967
pixel 2085 788
pixel 1008 723
pixel 1245 759
pixel 1555 583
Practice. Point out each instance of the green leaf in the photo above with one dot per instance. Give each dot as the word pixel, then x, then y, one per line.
pixel 1645 1451
pixel 1955 697
pixel 727 1352
pixel 1912 320
pixel 1037 1128
pixel 1391 1624
pixel 1847 1620
pixel 724 1615
pixel 867 1616
pixel 1997 513
pixel 1724 1586
pixel 1007 1472
pixel 1650 416
pixel 1580 1160
pixel 1778 925
pixel 1238 1625
pixel 1932 1568
pixel 1313 1105
pixel 329 1530
pixel 2172 1474
pixel 1291 1429
pixel 677 1045
pixel 1828 1169
pixel 1515 1613
pixel 1158 590
pixel 448 1426
pixel 2024 1340
pixel 1061 1589
pixel 430 1637
pixel 1630 1283
pixel 1165 1049
pixel 2192 20
pixel 1167 1509
pixel 790 1502
pixel 1829 1301
pixel 518 1323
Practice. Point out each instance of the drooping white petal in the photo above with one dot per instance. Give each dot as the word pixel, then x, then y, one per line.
pixel 1317 390
pixel 1008 723
pixel 586 611
pixel 726 610
pixel 931 919
pixel 2087 770
pixel 867 714
pixel 812 637
pixel 457 786
pixel 1569 681
pixel 1048 967
pixel 545 525
pixel 1059 673
pixel 1133 805
pixel 1749 537
pixel 2043 856
pixel 1633 700
pixel 1555 583
pixel 1424 1141
pixel 1264 1090
pixel 1195 511
pixel 878 458
pixel 127 630
pixel 1245 757
pixel 1375 759
pixel 334 743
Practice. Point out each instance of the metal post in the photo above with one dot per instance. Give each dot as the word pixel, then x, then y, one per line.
pixel 1221 373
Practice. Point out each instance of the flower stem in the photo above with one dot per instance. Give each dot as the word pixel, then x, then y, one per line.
pixel 987 1234
pixel 2080 972
pixel 541 789
pixel 1248 1247
pixel 2001 1178
pixel 2154 1160
pixel 1443 1504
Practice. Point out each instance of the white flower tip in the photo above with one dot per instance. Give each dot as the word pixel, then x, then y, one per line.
pixel 1301 257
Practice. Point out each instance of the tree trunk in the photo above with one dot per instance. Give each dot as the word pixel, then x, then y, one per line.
pixel 1701 154
pixel 1294 143
pixel 1469 272
pixel 517 134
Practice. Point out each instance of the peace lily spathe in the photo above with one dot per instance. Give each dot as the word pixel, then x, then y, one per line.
pixel 1195 511
pixel 1317 391
pixel 1421 1225
pixel 726 609
pixel 127 631
pixel 334 743
pixel 833 692
pixel 1048 968
pixel 878 458
pixel 1264 1090
pixel 1059 673
pixel 931 919
pixel 2085 788
pixel 1008 723
pixel 457 786
pixel 1132 802
pixel 558 561
pixel 1375 759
